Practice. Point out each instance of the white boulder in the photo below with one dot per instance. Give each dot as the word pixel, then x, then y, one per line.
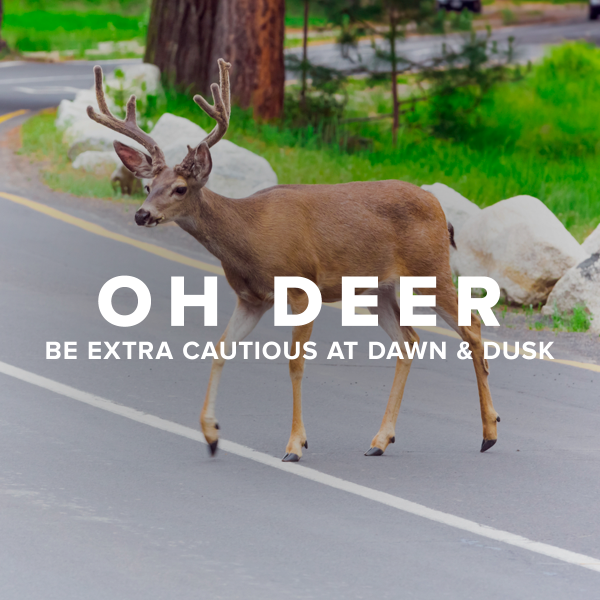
pixel 96 162
pixel 138 79
pixel 457 208
pixel 579 286
pixel 85 134
pixel 238 172
pixel 592 242
pixel 521 244
pixel 70 111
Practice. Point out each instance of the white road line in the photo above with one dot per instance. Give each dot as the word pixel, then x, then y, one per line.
pixel 581 560
pixel 49 89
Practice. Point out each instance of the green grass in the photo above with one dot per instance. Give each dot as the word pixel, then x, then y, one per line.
pixel 294 14
pixel 42 142
pixel 35 26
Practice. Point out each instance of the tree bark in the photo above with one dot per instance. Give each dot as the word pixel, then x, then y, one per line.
pixel 396 105
pixel 304 52
pixel 186 37
pixel 2 42
pixel 180 39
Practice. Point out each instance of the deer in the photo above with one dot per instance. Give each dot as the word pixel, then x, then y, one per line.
pixel 386 229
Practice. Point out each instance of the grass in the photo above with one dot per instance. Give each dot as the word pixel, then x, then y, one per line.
pixel 34 26
pixel 42 142
pixel 577 321
pixel 294 15
pixel 538 136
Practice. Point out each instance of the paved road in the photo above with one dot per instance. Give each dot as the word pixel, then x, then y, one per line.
pixel 96 504
pixel 530 43
pixel 35 86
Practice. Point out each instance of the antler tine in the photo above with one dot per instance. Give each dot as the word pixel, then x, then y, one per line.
pixel 127 126
pixel 224 84
pixel 221 109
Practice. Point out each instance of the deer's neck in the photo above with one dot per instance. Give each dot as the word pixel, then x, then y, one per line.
pixel 222 225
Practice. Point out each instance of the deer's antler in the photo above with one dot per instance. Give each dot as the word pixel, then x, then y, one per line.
pixel 221 110
pixel 127 126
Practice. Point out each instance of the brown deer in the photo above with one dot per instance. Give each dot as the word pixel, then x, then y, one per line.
pixel 386 229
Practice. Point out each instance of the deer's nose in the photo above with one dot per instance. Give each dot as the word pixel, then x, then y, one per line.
pixel 142 216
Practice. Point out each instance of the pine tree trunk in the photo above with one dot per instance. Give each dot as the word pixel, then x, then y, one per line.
pixel 180 40
pixel 186 37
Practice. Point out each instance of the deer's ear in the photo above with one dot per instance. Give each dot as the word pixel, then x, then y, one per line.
pixel 202 163
pixel 139 163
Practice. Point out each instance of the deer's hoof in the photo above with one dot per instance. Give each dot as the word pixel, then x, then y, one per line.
pixel 290 457
pixel 487 444
pixel 374 452
pixel 212 447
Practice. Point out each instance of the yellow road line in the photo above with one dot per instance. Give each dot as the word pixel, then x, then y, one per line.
pixel 101 231
pixel 203 266
pixel 8 116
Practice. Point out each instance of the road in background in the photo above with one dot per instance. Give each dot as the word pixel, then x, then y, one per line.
pixel 530 43
pixel 33 85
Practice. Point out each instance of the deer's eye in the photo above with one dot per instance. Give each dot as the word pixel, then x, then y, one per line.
pixel 181 190
pixel 147 188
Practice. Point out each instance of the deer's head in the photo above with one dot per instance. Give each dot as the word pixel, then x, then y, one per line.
pixel 172 192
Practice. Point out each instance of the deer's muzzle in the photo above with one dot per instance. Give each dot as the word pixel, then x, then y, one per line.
pixel 144 218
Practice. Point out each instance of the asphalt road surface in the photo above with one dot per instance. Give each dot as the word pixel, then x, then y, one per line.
pixel 530 43
pixel 107 491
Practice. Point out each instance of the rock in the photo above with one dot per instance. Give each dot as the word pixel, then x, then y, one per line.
pixel 70 111
pixel 592 242
pixel 521 244
pixel 85 134
pixel 236 172
pixel 456 207
pixel 579 286
pixel 96 162
pixel 139 79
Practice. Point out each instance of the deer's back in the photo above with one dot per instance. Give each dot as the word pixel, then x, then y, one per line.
pixel 323 232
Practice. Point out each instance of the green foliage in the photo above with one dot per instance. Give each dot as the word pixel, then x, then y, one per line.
pixel 461 21
pixel 294 14
pixel 579 321
pixel 460 80
pixel 508 17
pixel 324 100
pixel 147 105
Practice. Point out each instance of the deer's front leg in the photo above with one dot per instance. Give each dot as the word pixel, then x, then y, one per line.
pixel 244 319
pixel 301 334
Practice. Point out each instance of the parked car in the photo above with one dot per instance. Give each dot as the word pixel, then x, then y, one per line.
pixel 458 5
pixel 594 9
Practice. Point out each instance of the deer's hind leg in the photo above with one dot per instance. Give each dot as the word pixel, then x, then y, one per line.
pixel 389 318
pixel 447 308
